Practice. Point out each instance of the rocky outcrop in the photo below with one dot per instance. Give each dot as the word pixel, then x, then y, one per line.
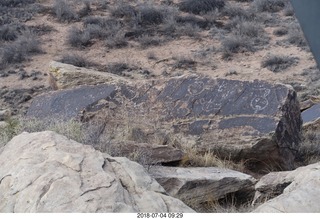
pixel 298 191
pixel 69 76
pixel 253 121
pixel 46 172
pixel 198 185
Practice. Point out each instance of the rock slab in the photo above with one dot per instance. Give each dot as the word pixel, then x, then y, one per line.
pixel 298 191
pixel 242 120
pixel 201 184
pixel 46 172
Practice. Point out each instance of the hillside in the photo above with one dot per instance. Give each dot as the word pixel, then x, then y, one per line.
pixel 175 83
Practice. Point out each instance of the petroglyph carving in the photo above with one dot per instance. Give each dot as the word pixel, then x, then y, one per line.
pixel 196 88
pixel 260 101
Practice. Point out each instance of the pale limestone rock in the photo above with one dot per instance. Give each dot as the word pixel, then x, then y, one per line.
pixel 46 172
pixel 301 191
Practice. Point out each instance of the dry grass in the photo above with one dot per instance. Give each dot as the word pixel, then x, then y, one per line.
pixel 232 203
pixel 208 159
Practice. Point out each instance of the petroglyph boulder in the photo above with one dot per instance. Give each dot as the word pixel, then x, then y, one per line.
pixel 255 121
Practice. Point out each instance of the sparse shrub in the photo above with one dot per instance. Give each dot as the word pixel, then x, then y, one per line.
pixel 250 29
pixel 194 21
pixel 277 63
pixel 152 56
pixel 280 31
pixel 238 12
pixel 78 38
pixel 269 5
pixel 149 15
pixel 147 41
pixel 200 6
pixel 76 60
pixel 236 44
pixel 295 36
pixel 116 40
pixel 184 62
pixel 188 30
pixel 15 3
pixel 118 68
pixel 123 10
pixel 85 10
pixel 63 11
pixel 101 28
pixel 41 29
pixel 309 151
pixel 8 33
pixel 19 50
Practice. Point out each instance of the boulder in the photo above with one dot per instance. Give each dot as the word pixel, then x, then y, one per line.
pixel 198 185
pixel 242 120
pixel 298 191
pixel 47 172
pixel 69 76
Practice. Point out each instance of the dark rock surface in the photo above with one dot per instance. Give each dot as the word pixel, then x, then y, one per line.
pixel 67 104
pixel 253 121
pixel 311 114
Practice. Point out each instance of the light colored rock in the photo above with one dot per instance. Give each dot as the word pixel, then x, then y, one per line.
pixel 68 76
pixel 46 172
pixel 301 191
pixel 3 124
pixel 201 184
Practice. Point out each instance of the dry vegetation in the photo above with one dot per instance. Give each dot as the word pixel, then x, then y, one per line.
pixel 237 39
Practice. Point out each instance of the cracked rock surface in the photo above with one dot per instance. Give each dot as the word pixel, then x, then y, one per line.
pixel 47 172
pixel 296 191
pixel 253 121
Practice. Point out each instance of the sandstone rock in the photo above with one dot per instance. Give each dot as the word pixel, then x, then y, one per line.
pixel 46 172
pixel 253 121
pixel 69 76
pixel 149 154
pixel 299 191
pixel 201 184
